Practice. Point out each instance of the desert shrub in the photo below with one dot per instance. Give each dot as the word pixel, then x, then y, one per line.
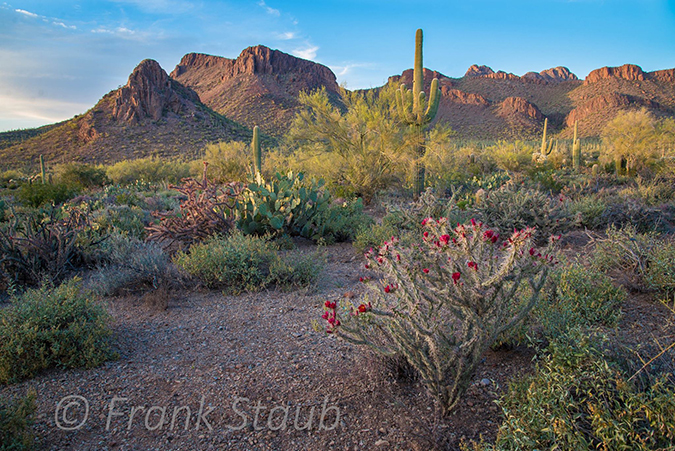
pixel 288 204
pixel 241 263
pixel 444 300
pixel 589 210
pixel 80 175
pixel 229 162
pixel 123 219
pixel 341 222
pixel 629 141
pixel 45 328
pixel 37 194
pixel 580 297
pixel 16 417
pixel 580 400
pixel 643 259
pixel 125 262
pixel 513 208
pixel 372 236
pixel 511 157
pixel 11 178
pixel 148 170
pixel 625 212
pixel 409 215
pixel 36 245
pixel 207 209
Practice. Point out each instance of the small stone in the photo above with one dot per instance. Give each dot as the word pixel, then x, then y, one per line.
pixel 485 382
pixel 381 442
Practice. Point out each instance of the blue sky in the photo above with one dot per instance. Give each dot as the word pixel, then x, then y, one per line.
pixel 57 58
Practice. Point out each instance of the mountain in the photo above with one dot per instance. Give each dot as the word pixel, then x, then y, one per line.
pixel 151 115
pixel 484 104
pixel 259 87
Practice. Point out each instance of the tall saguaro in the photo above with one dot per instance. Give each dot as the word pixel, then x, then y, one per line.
pixel 417 112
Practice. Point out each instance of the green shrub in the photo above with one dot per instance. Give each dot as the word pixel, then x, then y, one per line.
pixel 373 236
pixel 37 194
pixel 660 273
pixel 11 178
pixel 52 328
pixel 228 162
pixel 513 208
pixel 580 400
pixel 126 262
pixel 147 170
pixel 16 417
pixel 581 297
pixel 241 263
pixel 590 210
pixel 81 175
pixel 342 222
pixel 123 219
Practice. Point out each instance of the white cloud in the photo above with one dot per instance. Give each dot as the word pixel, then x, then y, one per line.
pixel 347 68
pixel 42 110
pixel 26 13
pixel 286 36
pixel 61 24
pixel 272 11
pixel 306 53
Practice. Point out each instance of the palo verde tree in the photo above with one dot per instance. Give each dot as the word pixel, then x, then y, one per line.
pixel 417 112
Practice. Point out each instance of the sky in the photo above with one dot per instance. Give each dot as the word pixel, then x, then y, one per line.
pixel 58 58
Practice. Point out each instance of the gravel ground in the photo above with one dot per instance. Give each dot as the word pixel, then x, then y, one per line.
pixel 245 366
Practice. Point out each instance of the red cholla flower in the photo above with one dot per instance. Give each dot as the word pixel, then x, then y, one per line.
pixel 472 265
pixel 473 222
pixel 380 260
pixel 363 308
pixel 398 258
pixel 456 276
pixel 367 266
pixel 532 251
pixel 426 235
pixel 387 289
pixel 425 270
pixel 445 239
pixel 330 305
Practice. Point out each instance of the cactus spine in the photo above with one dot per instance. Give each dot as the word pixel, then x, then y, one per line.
pixel 576 149
pixel 416 112
pixel 257 153
pixel 43 172
pixel 546 147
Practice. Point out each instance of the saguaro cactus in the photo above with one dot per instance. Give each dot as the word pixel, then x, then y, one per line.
pixel 546 147
pixel 576 149
pixel 416 112
pixel 257 153
pixel 43 171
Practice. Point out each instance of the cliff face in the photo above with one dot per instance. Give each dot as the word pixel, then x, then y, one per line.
pixel 259 87
pixel 149 94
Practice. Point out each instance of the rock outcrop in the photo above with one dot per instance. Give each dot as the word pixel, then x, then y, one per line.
pixel 478 71
pixel 604 104
pixel 629 72
pixel 520 110
pixel 149 93
pixel 259 87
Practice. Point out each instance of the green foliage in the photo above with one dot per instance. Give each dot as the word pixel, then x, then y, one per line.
pixel 241 263
pixel 589 210
pixel 660 274
pixel 149 170
pixel 630 138
pixel 81 175
pixel 358 150
pixel 52 328
pixel 287 204
pixel 341 222
pixel 514 207
pixel 122 219
pixel 372 236
pixel 16 417
pixel 511 157
pixel 228 162
pixel 126 262
pixel 581 297
pixel 11 178
pixel 580 400
pixel 37 194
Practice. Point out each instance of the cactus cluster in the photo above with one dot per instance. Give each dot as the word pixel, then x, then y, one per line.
pixel 546 146
pixel 287 204
pixel 415 111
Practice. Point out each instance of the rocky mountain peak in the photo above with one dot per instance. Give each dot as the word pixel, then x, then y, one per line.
pixel 478 71
pixel 629 72
pixel 148 94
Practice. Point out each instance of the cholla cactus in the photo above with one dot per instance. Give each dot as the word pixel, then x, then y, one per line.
pixel 442 302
